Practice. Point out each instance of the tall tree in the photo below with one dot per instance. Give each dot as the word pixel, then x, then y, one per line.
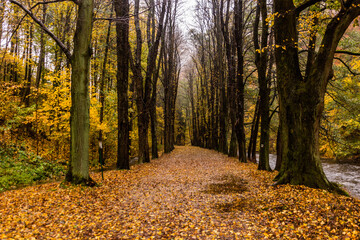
pixel 231 75
pixel 2 11
pixel 261 56
pixel 301 97
pixel 170 79
pixel 122 75
pixel 240 105
pixel 143 85
pixel 40 67
pixel 78 171
pixel 102 92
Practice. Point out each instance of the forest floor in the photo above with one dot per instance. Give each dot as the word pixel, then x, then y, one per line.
pixel 191 193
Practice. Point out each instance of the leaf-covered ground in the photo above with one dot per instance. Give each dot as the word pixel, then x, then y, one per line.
pixel 191 193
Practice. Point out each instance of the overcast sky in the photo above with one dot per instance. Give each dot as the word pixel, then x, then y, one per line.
pixel 187 17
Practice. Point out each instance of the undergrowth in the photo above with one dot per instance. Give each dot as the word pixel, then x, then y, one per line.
pixel 21 168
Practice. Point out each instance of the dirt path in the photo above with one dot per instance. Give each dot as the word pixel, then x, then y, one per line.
pixel 191 193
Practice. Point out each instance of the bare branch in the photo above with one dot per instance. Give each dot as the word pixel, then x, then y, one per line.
pixel 348 52
pixel 58 42
pixel 347 66
pixel 54 1
pixel 305 5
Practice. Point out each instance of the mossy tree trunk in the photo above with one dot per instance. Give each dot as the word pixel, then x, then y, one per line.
pixel 301 98
pixel 78 172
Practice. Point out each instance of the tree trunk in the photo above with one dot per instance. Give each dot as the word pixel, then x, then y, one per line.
pixel 122 76
pixel 26 90
pixel 302 100
pixel 39 71
pixel 239 124
pixel 264 91
pixel 278 150
pixel 254 133
pixel 2 10
pixel 153 115
pixel 78 171
pixel 154 149
pixel 102 93
pixel 233 145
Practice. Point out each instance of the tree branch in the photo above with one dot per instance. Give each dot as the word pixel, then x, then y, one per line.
pixel 348 52
pixel 344 63
pixel 305 5
pixel 58 42
pixel 54 1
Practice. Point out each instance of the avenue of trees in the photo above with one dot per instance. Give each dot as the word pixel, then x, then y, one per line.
pixel 88 81
pixel 269 68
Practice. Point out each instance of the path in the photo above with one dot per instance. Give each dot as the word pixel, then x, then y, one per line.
pixel 191 193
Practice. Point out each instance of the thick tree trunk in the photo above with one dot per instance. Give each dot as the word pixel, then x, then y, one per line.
pixel 302 100
pixel 122 76
pixel 78 171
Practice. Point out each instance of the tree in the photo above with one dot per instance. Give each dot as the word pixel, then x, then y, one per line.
pixel 122 75
pixel 78 171
pixel 301 98
pixel 143 85
pixel 240 105
pixel 171 71
pixel 2 10
pixel 261 56
pixel 102 100
pixel 231 64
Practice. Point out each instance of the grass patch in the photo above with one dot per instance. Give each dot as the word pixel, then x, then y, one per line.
pixel 20 168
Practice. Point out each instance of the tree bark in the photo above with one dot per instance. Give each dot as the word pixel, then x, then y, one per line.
pixel 170 81
pixel 239 124
pixel 26 89
pixel 254 133
pixel 39 71
pixel 102 93
pixel 278 150
pixel 230 56
pixel 122 76
pixel 2 8
pixel 261 56
pixel 78 171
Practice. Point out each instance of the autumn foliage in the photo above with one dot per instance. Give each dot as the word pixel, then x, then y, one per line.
pixel 190 193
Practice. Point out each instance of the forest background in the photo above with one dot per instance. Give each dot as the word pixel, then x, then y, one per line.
pixel 180 92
